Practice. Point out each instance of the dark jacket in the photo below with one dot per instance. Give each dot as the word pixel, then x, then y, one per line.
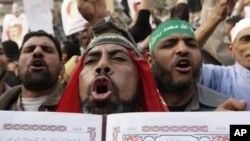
pixel 205 99
pixel 10 100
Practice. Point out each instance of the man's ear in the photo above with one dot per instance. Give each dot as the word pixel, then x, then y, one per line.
pixel 149 58
pixel 230 48
pixel 64 57
pixel 62 71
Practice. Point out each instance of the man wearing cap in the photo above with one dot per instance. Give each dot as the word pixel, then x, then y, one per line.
pixel 233 81
pixel 111 76
pixel 176 62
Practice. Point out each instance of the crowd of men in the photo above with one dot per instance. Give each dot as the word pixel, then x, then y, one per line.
pixel 162 70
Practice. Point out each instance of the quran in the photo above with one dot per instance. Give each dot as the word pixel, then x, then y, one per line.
pixel 139 126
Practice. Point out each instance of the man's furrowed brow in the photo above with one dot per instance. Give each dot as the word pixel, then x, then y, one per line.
pixel 93 53
pixel 116 51
pixel 172 39
pixel 189 39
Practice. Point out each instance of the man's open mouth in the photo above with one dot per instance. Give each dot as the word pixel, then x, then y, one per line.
pixel 183 65
pixel 37 64
pixel 102 88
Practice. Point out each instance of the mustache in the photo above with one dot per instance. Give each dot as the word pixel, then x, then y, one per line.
pixel 38 58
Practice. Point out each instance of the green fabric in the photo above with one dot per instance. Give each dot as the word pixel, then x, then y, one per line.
pixel 168 28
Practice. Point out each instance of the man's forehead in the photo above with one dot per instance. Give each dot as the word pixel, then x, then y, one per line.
pixel 179 36
pixel 41 40
pixel 106 48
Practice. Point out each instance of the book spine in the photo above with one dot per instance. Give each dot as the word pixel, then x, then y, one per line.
pixel 104 124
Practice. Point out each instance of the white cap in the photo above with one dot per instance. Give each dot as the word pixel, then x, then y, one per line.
pixel 182 1
pixel 239 26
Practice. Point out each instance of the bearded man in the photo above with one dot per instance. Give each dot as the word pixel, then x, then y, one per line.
pixel 39 67
pixel 175 59
pixel 111 76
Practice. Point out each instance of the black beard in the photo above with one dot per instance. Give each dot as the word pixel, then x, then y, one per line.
pixel 112 105
pixel 37 81
pixel 166 83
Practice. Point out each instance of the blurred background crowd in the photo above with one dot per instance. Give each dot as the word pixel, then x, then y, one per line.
pixel 35 15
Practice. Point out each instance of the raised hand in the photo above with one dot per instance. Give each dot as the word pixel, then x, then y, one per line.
pixel 232 105
pixel 92 10
pixel 224 7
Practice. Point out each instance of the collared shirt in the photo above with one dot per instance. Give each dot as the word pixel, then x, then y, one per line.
pixel 6 88
pixel 205 99
pixel 233 81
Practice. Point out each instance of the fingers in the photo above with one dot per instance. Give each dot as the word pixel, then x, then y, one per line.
pixel 92 10
pixel 222 8
pixel 232 105
pixel 243 104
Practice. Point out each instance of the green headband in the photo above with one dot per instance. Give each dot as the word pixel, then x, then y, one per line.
pixel 168 28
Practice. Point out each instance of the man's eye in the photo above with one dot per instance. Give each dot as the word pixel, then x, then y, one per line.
pixel 88 62
pixel 191 45
pixel 28 49
pixel 168 45
pixel 48 50
pixel 120 59
pixel 246 39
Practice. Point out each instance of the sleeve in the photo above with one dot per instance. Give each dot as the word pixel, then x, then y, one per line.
pixel 142 27
pixel 211 76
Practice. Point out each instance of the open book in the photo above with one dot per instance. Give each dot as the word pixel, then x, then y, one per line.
pixel 165 126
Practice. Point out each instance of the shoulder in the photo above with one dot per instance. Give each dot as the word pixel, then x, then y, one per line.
pixel 210 70
pixel 57 92
pixel 9 97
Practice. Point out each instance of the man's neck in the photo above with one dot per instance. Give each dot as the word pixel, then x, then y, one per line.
pixel 177 99
pixel 34 94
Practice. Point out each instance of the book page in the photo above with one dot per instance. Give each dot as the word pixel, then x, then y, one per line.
pixel 173 126
pixel 49 126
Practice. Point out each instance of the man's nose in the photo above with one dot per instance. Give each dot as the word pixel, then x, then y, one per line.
pixel 103 67
pixel 100 70
pixel 38 51
pixel 182 48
